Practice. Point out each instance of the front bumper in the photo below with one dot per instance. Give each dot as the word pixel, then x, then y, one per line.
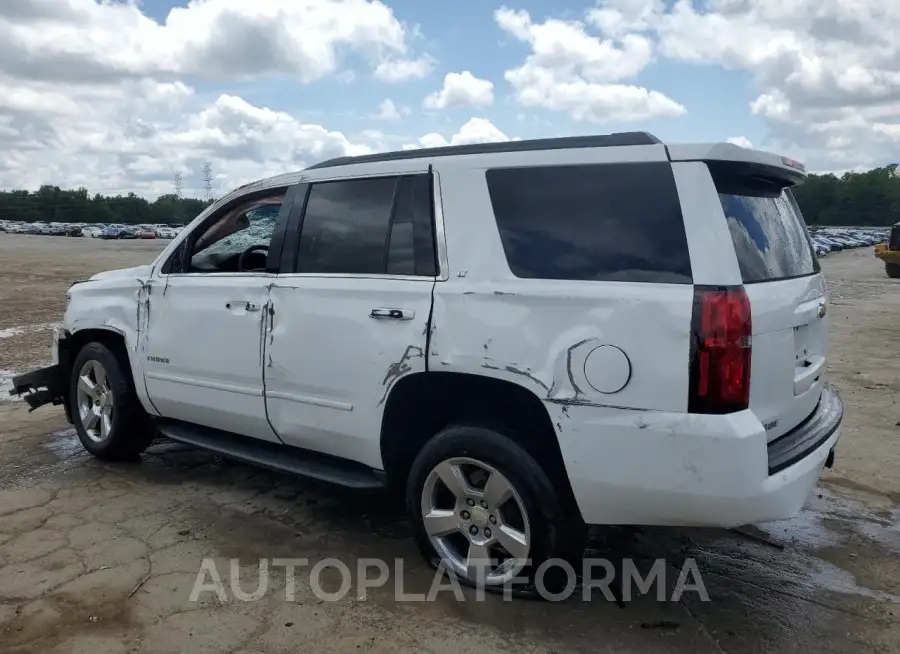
pixel 40 387
pixel 48 385
pixel 673 469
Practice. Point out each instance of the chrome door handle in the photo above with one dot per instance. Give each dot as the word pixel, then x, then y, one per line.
pixel 392 314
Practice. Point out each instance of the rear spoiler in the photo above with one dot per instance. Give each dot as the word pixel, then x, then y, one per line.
pixel 764 164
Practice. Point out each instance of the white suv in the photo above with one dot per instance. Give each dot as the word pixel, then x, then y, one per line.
pixel 524 338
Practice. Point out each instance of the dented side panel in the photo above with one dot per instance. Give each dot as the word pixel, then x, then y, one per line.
pixel 330 366
pixel 555 341
pixel 202 350
pixel 542 334
pixel 117 301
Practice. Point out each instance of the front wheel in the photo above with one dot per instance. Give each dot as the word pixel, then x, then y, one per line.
pixel 892 270
pixel 108 417
pixel 482 507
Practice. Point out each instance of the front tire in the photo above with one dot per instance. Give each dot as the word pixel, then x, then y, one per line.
pixel 108 417
pixel 892 270
pixel 484 508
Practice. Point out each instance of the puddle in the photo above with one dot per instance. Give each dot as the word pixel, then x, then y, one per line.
pixel 64 444
pixel 11 332
pixel 6 386
pixel 828 576
pixel 828 519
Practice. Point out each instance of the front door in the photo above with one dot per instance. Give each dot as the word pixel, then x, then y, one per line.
pixel 203 352
pixel 204 340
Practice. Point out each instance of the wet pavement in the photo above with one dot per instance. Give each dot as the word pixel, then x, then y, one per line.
pixel 104 557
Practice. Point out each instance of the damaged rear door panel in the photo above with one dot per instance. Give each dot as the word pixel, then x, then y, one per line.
pixel 330 364
pixel 350 315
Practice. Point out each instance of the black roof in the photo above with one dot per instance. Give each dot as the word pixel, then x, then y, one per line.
pixel 561 143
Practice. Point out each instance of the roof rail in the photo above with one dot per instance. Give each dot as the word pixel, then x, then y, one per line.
pixel 561 143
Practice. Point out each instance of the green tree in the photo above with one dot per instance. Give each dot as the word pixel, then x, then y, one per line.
pixel 867 198
pixel 52 204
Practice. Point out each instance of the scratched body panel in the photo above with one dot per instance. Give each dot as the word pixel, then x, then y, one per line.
pixel 203 351
pixel 538 333
pixel 116 301
pixel 330 366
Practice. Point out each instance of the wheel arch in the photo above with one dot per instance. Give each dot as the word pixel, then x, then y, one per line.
pixel 421 404
pixel 116 340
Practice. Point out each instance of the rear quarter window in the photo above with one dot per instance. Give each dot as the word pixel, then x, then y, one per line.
pixel 599 222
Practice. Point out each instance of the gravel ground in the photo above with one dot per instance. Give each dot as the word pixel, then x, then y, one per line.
pixel 102 558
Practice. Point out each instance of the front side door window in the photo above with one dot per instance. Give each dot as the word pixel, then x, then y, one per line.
pixel 239 240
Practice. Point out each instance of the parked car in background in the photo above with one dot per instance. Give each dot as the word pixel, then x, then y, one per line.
pixel 146 233
pixel 74 230
pixel 110 233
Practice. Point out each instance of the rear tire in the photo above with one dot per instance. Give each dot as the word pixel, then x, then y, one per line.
pixel 108 417
pixel 892 270
pixel 473 492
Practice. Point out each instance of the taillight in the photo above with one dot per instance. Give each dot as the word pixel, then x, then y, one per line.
pixel 720 350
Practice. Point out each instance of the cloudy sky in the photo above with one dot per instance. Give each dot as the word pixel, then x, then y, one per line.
pixel 116 95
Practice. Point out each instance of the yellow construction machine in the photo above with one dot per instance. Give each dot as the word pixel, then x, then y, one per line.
pixel 890 252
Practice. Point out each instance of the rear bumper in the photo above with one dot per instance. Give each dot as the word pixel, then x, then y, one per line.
pixel 659 468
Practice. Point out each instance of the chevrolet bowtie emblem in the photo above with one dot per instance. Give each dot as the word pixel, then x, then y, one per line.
pixel 823 309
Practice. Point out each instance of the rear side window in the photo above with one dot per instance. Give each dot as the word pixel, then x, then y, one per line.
pixel 600 222
pixel 376 226
pixel 770 237
pixel 346 226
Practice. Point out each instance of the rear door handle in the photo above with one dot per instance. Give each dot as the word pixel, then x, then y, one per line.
pixel 381 313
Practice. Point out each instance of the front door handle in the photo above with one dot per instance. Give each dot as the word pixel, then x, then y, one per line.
pixel 381 313
pixel 247 306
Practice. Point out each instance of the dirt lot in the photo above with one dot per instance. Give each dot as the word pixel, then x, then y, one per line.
pixel 102 558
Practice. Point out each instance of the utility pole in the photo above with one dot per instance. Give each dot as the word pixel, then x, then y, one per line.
pixel 207 179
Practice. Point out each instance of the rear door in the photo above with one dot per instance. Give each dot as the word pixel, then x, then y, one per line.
pixel 350 313
pixel 782 278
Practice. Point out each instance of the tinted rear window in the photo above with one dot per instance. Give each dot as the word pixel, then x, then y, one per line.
pixel 607 222
pixel 770 237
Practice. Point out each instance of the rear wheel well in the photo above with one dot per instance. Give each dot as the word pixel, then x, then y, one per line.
pixel 422 404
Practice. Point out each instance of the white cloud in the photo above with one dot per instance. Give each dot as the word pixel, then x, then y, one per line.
pixel 400 70
pixel 99 94
pixel 462 90
pixel 570 70
pixel 828 73
pixel 742 141
pixel 475 130
pixel 132 137
pixel 387 110
pixel 87 41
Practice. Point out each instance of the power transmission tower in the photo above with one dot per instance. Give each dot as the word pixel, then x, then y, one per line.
pixel 207 179
pixel 179 188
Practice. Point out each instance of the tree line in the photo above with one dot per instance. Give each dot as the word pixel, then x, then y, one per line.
pixel 865 198
pixel 52 204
